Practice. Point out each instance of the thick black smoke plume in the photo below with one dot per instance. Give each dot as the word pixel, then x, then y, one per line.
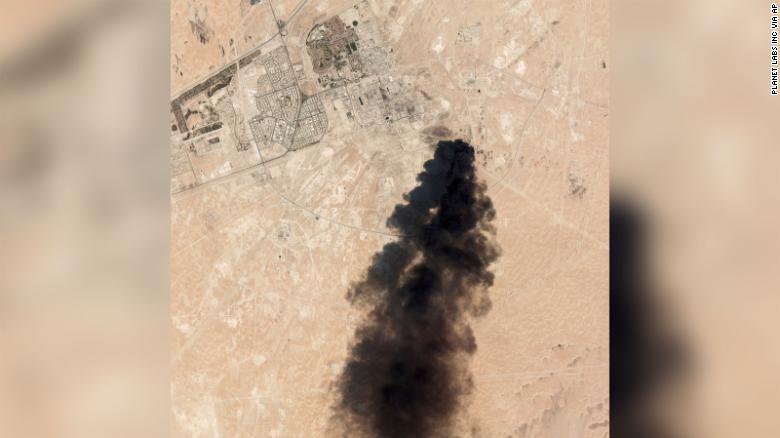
pixel 407 370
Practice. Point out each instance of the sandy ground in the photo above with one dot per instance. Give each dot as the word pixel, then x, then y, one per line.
pixel 262 259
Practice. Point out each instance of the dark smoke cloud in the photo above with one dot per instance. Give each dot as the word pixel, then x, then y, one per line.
pixel 647 355
pixel 407 370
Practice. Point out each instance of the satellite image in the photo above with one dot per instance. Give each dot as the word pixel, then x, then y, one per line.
pixel 389 218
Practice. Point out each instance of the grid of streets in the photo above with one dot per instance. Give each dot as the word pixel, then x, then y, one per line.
pixel 284 116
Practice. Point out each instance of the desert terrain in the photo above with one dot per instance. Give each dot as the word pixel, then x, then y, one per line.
pixel 297 126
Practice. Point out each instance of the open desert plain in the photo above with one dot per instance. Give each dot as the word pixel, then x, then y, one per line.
pixel 320 287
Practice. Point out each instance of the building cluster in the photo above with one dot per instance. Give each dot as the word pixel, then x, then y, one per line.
pixel 220 126
pixel 286 116
pixel 355 66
